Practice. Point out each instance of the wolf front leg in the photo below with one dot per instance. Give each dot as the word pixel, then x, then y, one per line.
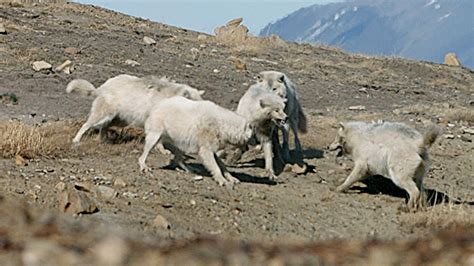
pixel 358 173
pixel 209 161
pixel 267 153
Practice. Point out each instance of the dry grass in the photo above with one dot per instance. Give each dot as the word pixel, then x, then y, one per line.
pixel 29 141
pixel 440 216
pixel 456 113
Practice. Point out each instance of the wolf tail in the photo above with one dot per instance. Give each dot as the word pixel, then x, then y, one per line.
pixel 82 86
pixel 302 122
pixel 430 135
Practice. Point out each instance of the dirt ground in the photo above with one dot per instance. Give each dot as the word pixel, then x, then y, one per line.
pixel 296 220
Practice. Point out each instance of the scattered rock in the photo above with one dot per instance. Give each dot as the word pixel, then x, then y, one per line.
pixel 298 169
pixel 192 202
pixel 240 65
pixel 357 108
pixel 20 161
pixel 106 192
pixel 41 65
pixel 119 182
pixel 198 178
pixel 195 53
pixel 72 50
pixel 202 37
pixel 162 222
pixel 76 202
pixel 451 59
pixel 167 205
pixel 216 71
pixel 234 22
pixel 132 63
pixel 2 29
pixel 85 186
pixel 66 67
pixel 449 136
pixel 61 186
pixel 148 40
pixel 469 131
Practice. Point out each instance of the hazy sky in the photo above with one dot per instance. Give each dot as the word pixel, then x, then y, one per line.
pixel 205 15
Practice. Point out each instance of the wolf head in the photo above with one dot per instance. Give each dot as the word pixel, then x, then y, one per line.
pixel 191 93
pixel 273 81
pixel 340 142
pixel 272 108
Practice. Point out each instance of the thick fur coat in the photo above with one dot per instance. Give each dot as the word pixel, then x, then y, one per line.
pixel 202 127
pixel 393 150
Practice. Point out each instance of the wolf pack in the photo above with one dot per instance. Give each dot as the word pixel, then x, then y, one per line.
pixel 177 120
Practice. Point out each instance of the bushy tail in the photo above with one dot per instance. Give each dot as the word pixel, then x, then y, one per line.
pixel 82 86
pixel 302 122
pixel 430 135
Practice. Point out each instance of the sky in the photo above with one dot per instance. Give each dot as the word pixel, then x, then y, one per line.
pixel 205 15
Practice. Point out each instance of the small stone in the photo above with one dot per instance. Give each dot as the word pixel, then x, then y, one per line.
pixel 202 37
pixel 195 53
pixel 2 29
pixel 167 205
pixel 240 65
pixel 198 178
pixel 20 161
pixel 119 182
pixel 72 50
pixel 63 66
pixel 331 172
pixel 357 108
pixel 449 136
pixel 162 222
pixel 234 22
pixel 216 71
pixel 469 131
pixel 106 192
pixel 297 169
pixel 132 63
pixel 192 202
pixel 148 40
pixel 451 125
pixel 76 202
pixel 61 186
pixel 85 186
pixel 41 65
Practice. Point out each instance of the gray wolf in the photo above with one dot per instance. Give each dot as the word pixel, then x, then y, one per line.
pixel 203 127
pixel 281 85
pixel 393 150
pixel 126 99
pixel 248 106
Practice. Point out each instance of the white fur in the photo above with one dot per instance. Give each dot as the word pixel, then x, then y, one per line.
pixel 199 127
pixel 281 85
pixel 393 150
pixel 248 106
pixel 127 99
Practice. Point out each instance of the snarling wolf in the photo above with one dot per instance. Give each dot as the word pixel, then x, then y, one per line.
pixel 248 106
pixel 203 127
pixel 126 99
pixel 392 150
pixel 281 85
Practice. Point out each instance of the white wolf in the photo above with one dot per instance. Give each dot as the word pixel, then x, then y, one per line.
pixel 127 99
pixel 280 84
pixel 203 127
pixel 248 107
pixel 393 150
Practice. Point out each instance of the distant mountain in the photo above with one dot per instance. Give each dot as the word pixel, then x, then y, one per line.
pixel 419 29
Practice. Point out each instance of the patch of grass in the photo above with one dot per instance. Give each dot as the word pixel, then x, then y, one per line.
pixel 9 98
pixel 30 141
pixel 440 216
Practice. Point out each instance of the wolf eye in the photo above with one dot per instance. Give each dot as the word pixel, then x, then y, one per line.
pixel 274 89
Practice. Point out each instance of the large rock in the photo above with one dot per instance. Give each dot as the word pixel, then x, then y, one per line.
pixel 76 202
pixel 451 59
pixel 41 65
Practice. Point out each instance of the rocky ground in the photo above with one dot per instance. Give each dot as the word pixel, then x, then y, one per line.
pixel 174 217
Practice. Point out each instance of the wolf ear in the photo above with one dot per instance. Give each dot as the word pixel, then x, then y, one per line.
pixel 259 78
pixel 201 92
pixel 342 125
pixel 186 94
pixel 281 79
